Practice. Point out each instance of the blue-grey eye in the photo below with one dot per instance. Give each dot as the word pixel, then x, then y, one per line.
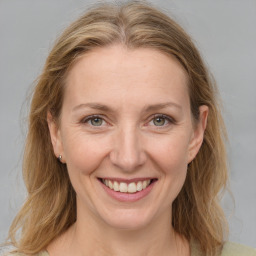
pixel 159 121
pixel 96 121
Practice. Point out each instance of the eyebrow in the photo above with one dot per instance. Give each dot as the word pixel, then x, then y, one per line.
pixel 159 106
pixel 148 108
pixel 92 105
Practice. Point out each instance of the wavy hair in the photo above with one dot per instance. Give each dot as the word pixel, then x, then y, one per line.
pixel 50 207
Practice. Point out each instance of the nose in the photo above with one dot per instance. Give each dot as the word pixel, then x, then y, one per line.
pixel 128 153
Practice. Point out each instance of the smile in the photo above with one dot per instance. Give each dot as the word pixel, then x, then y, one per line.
pixel 127 190
pixel 124 187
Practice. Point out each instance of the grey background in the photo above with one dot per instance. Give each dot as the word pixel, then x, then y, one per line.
pixel 225 34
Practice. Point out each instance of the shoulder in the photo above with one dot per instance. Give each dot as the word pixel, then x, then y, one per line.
pixel 234 249
pixel 229 249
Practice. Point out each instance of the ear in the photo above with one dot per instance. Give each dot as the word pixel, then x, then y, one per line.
pixel 55 137
pixel 198 133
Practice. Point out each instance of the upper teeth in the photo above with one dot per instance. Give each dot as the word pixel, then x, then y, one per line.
pixel 124 187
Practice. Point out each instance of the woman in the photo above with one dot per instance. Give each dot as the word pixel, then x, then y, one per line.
pixel 125 151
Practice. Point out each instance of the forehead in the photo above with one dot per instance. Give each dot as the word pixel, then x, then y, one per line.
pixel 117 72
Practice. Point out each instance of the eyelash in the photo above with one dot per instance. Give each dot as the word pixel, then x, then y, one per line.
pixel 167 118
pixel 90 118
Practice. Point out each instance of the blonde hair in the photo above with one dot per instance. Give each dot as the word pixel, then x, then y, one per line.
pixel 50 207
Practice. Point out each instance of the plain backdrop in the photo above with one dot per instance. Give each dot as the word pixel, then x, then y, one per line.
pixel 224 32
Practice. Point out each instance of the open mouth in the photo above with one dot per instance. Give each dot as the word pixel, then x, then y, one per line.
pixel 127 187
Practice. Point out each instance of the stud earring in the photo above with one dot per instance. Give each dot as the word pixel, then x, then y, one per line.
pixel 59 158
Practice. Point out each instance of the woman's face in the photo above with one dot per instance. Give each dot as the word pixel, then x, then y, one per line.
pixel 126 122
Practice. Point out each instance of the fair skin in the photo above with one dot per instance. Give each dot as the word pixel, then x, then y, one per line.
pixel 126 118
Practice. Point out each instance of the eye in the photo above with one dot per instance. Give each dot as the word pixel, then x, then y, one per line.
pixel 94 121
pixel 161 120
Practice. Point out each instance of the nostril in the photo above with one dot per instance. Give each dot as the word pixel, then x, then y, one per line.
pixel 127 155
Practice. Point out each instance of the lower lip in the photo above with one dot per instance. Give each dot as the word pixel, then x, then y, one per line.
pixel 128 197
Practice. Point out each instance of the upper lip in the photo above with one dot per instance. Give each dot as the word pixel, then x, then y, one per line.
pixel 128 180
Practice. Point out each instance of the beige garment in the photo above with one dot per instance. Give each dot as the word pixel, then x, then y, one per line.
pixel 229 249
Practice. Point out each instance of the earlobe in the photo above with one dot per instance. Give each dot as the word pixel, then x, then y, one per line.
pixel 198 134
pixel 55 136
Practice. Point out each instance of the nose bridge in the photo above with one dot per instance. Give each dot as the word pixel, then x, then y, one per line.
pixel 128 152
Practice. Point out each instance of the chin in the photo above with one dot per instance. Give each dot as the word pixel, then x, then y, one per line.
pixel 128 219
pixel 127 224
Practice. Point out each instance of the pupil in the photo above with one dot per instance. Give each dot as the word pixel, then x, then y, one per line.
pixel 97 121
pixel 159 121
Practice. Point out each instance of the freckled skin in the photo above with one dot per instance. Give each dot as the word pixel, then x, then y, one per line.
pixel 127 144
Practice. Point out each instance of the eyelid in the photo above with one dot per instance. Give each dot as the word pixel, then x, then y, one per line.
pixel 90 117
pixel 170 119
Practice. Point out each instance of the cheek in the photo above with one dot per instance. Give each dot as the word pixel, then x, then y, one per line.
pixel 170 155
pixel 173 163
pixel 84 153
pixel 170 152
